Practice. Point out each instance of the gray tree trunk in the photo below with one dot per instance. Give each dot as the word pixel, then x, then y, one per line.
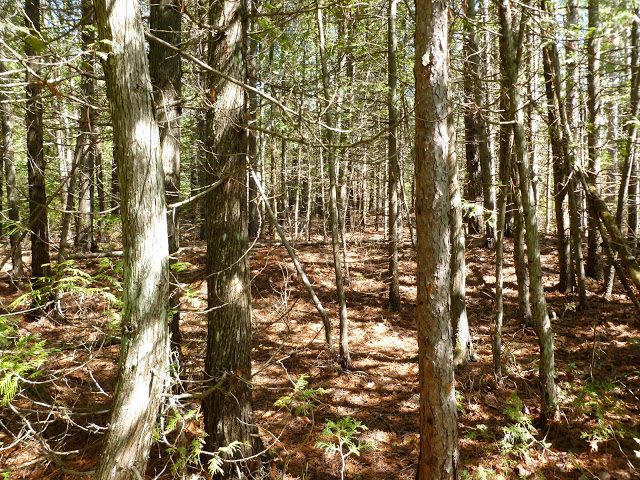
pixel 632 133
pixel 144 351
pixel 438 419
pixel 8 153
pixel 510 59
pixel 484 144
pixel 504 179
pixel 463 346
pixel 166 78
pixel 552 65
pixel 556 139
pixel 473 191
pixel 345 356
pixel 520 260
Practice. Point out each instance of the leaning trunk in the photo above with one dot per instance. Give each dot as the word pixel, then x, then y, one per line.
pixel 145 351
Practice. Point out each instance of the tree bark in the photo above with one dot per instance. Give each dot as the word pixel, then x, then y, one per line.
pixel 166 78
pixel 463 346
pixel 144 352
pixel 473 191
pixel 552 63
pixel 345 356
pixel 8 153
pixel 520 260
pixel 394 168
pixel 228 411
pixel 510 53
pixel 438 423
pixel 563 244
pixel 484 147
pixel 632 133
pixel 85 146
pixel 504 180
pixel 36 161
pixel 594 267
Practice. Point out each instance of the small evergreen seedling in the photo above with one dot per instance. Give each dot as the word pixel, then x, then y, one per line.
pixel 342 438
pixel 300 401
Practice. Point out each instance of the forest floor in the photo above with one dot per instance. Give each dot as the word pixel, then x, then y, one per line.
pixel 53 428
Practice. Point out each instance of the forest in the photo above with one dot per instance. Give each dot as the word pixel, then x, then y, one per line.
pixel 326 239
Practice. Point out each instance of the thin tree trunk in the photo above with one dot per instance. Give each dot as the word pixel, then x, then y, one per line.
pixel 550 54
pixel 520 260
pixel 165 23
pixel 510 53
pixel 484 148
pixel 504 179
pixel 303 277
pixel 86 141
pixel 473 191
pixel 394 168
pixel 345 357
pixel 8 153
pixel 627 258
pixel 463 346
pixel 144 351
pixel 632 133
pixel 632 216
pixel 613 258
pixel 559 174
pixel 594 267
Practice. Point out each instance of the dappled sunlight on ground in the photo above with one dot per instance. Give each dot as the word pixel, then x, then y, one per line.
pixel 597 355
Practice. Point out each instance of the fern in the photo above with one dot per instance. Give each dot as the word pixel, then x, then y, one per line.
pixel 301 400
pixel 20 358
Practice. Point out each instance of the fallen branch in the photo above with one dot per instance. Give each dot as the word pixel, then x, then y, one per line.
pixel 298 266
pixel 629 262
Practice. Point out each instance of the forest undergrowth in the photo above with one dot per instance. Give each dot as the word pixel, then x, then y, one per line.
pixel 52 425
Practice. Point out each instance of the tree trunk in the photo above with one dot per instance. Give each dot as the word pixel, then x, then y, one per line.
pixel 36 161
pixel 438 423
pixel 593 267
pixel 473 191
pixel 164 64
pixel 520 260
pixel 345 357
pixel 8 153
pixel 552 63
pixel 484 147
pixel 144 351
pixel 632 216
pixel 509 53
pixel 632 132
pixel 563 244
pixel 394 168
pixel 86 141
pixel 228 411
pixel 463 346
pixel 504 179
